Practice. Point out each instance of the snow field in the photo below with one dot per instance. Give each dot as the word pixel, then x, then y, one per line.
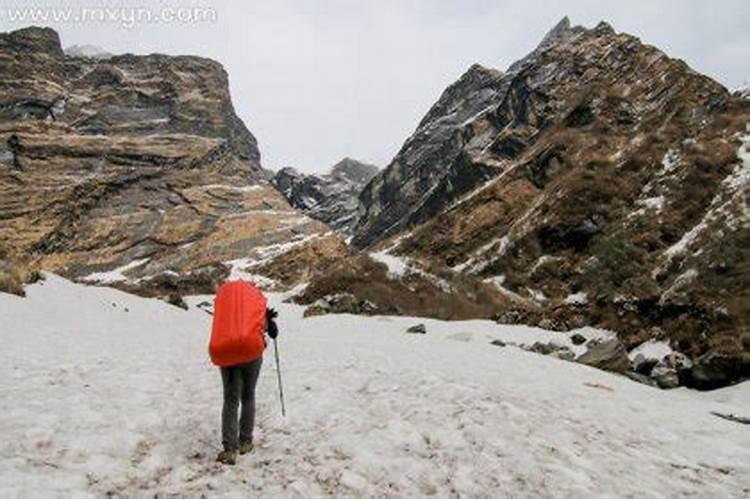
pixel 100 400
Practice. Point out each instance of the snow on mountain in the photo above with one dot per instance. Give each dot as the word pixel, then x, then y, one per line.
pixel 109 394
pixel 87 50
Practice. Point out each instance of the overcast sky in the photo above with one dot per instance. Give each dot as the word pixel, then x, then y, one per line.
pixel 319 80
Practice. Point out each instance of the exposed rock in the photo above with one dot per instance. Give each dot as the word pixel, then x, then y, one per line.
pixel 177 301
pixel 331 198
pixel 665 377
pixel 552 349
pixel 577 339
pixel 198 281
pixel 498 343
pixel 431 170
pixel 552 324
pixel 420 328
pixel 341 303
pixel 716 369
pixel 609 355
pixel 732 417
pixel 643 365
pixel 564 353
pixel 542 347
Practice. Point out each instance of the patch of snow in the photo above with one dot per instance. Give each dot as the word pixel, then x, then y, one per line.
pixel 397 266
pixel 543 260
pixel 651 349
pixel 654 203
pixel 683 279
pixel 115 275
pixel 498 282
pixel 579 298
pixel 537 295
pixel 477 259
pixel 309 202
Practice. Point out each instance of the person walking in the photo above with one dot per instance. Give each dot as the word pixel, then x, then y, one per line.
pixel 240 320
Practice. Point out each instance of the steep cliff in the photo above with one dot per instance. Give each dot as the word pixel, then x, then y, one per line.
pixel 127 168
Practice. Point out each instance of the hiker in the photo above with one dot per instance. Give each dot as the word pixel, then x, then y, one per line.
pixel 241 317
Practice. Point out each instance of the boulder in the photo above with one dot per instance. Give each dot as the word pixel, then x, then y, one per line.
pixel 554 350
pixel 715 369
pixel 665 376
pixel 577 339
pixel 542 348
pixel 564 353
pixel 609 355
pixel 419 328
pixel 177 301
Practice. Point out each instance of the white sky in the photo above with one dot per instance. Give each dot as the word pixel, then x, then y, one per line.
pixel 319 80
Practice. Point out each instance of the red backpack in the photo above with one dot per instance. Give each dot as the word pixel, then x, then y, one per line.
pixel 238 325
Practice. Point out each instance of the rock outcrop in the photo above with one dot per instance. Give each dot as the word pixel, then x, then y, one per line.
pixel 128 169
pixel 332 198
pixel 597 181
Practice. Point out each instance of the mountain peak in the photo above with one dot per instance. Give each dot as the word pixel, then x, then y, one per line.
pixel 354 170
pixel 559 31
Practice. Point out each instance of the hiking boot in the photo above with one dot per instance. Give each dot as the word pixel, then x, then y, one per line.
pixel 227 457
pixel 246 447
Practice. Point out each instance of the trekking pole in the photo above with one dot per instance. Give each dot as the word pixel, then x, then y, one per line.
pixel 278 373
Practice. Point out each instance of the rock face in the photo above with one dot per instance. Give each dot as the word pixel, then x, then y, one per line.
pixel 597 181
pixel 439 162
pixel 331 198
pixel 129 168
pixel 609 355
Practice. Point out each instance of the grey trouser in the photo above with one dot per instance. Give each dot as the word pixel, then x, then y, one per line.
pixel 239 385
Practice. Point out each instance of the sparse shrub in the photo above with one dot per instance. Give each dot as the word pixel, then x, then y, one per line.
pixel 15 273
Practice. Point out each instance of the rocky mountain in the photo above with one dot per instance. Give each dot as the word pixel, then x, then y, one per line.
pixel 597 181
pixel 332 198
pixel 131 170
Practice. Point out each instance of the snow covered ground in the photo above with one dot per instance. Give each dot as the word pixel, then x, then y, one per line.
pixel 104 393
